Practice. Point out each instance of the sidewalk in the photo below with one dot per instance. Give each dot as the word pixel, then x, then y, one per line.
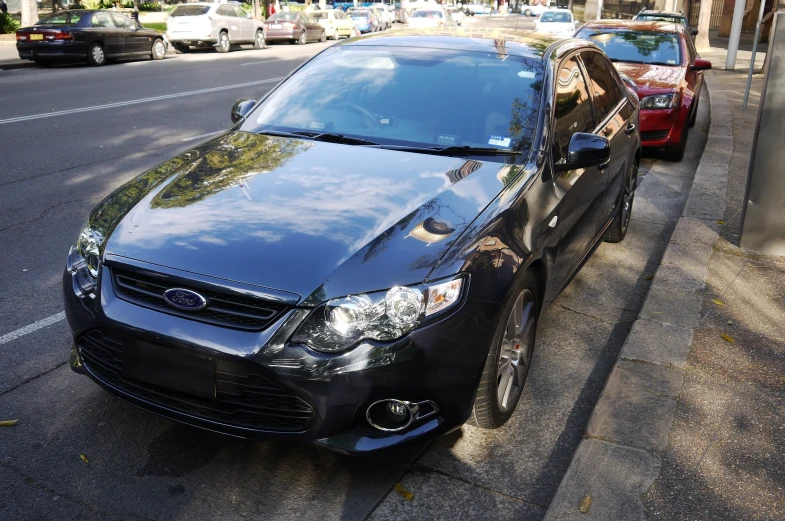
pixel 691 422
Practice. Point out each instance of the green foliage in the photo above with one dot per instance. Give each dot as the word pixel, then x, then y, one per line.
pixel 8 24
pixel 149 6
pixel 157 26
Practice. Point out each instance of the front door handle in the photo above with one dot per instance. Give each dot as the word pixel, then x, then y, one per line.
pixel 630 129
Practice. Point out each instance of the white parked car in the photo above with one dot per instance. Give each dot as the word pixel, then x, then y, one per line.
pixel 429 17
pixel 534 10
pixel 218 25
pixel 556 21
pixel 388 13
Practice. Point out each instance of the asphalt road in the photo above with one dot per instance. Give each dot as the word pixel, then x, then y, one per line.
pixel 54 167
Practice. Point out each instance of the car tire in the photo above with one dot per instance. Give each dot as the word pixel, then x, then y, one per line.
pixel 323 36
pixel 259 40
pixel 528 12
pixel 676 153
pixel 621 222
pixel 336 35
pixel 223 42
pixel 158 50
pixel 510 355
pixel 180 48
pixel 303 38
pixel 95 55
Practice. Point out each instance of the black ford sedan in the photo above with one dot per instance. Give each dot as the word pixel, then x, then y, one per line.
pixel 97 36
pixel 355 263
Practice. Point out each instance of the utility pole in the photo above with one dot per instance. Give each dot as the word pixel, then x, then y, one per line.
pixel 735 34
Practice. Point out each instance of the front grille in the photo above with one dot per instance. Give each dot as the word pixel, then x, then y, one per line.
pixel 239 312
pixel 243 397
pixel 654 135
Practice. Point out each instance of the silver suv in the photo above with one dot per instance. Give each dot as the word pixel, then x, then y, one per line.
pixel 218 25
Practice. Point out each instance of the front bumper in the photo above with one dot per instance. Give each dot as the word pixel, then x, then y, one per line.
pixel 661 127
pixel 441 361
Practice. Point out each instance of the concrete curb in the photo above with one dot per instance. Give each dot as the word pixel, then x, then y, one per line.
pixel 619 457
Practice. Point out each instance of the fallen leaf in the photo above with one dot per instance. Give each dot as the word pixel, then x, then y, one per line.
pixel 718 302
pixel 585 503
pixel 728 338
pixel 402 491
pixel 730 322
pixel 720 222
pixel 650 277
pixel 8 423
pixel 84 458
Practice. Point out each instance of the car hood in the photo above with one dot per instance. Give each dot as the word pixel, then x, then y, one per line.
pixel 653 79
pixel 299 216
pixel 555 27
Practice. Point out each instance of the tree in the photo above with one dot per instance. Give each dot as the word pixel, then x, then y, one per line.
pixel 29 10
pixel 702 40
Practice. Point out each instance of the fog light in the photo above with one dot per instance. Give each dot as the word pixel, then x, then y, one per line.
pixel 396 412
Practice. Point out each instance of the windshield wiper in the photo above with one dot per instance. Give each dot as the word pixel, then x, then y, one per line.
pixel 320 136
pixel 455 151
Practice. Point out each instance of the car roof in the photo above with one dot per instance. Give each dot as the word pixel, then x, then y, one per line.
pixel 559 11
pixel 637 25
pixel 515 43
pixel 663 13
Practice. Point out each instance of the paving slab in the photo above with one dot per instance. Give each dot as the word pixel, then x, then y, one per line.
pixel 637 405
pixel 613 476
pixel 658 343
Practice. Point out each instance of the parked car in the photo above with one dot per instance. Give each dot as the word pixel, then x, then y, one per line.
pixel 650 15
pixel 381 16
pixel 661 58
pixel 367 267
pixel 534 10
pixel 364 20
pixel 294 26
pixel 335 23
pixel 457 14
pixel 429 17
pixel 96 36
pixel 387 13
pixel 556 21
pixel 218 25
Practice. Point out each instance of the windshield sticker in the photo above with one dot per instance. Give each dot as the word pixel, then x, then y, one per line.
pixel 529 75
pixel 499 141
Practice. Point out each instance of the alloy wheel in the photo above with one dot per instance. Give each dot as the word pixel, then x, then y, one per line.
pixel 159 50
pixel 516 350
pixel 224 42
pixel 259 40
pixel 336 36
pixel 97 56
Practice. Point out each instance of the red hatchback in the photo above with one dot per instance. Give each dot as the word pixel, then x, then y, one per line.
pixel 661 58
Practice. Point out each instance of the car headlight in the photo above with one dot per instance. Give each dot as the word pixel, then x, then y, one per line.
pixel 342 322
pixel 660 101
pixel 84 259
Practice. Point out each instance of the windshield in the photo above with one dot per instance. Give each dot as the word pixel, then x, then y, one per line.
pixel 190 10
pixel 410 97
pixel 426 14
pixel 663 18
pixel 359 14
pixel 636 46
pixel 65 18
pixel 559 18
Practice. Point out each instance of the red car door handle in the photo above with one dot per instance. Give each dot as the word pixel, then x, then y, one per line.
pixel 630 129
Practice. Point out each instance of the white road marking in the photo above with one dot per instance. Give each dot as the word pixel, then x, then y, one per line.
pixel 135 102
pixel 35 326
pixel 193 138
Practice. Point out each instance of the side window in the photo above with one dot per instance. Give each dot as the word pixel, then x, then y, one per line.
pixel 691 49
pixel 122 21
pixel 603 84
pixel 239 13
pixel 101 19
pixel 573 111
pixel 225 10
pixel 339 15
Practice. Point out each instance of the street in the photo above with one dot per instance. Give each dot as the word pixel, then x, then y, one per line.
pixel 71 135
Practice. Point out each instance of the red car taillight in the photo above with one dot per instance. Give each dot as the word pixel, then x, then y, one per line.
pixel 60 35
pixel 290 25
pixel 21 37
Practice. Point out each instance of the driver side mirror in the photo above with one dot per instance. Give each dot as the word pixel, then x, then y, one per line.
pixel 241 108
pixel 701 65
pixel 584 151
